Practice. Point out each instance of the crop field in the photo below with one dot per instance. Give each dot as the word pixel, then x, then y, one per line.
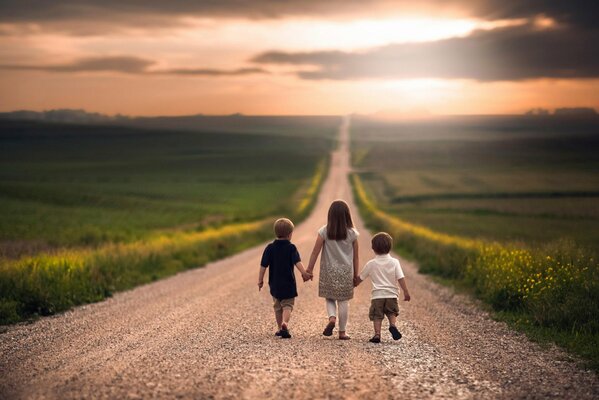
pixel 64 185
pixel 78 202
pixel 501 179
pixel 508 214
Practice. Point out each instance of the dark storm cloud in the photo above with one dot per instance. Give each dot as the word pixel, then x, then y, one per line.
pixel 128 65
pixel 513 53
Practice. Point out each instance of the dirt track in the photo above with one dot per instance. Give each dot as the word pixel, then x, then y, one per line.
pixel 208 333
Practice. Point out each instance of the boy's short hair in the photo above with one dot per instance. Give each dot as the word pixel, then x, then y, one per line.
pixel 382 243
pixel 283 227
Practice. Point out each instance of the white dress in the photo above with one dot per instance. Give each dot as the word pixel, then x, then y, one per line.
pixel 336 266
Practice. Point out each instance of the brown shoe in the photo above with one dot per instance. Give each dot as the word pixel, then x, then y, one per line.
pixel 328 331
pixel 344 337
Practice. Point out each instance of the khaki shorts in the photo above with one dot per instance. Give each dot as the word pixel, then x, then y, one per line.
pixel 381 307
pixel 279 304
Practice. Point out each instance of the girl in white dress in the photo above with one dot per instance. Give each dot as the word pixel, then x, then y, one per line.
pixel 338 265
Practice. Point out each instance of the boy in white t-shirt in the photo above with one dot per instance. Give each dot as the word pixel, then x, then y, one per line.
pixel 385 273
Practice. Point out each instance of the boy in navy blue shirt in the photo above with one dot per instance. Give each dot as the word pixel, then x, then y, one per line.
pixel 280 257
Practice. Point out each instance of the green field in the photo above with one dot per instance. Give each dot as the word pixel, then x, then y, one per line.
pixel 87 210
pixel 505 208
pixel 74 185
pixel 508 179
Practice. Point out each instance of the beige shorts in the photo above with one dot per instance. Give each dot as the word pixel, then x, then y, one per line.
pixel 381 307
pixel 279 304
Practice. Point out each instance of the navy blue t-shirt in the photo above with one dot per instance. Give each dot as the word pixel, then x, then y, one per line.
pixel 280 257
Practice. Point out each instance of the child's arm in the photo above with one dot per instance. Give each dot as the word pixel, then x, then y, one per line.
pixel 356 264
pixel 261 277
pixel 306 276
pixel 363 275
pixel 404 289
pixel 315 252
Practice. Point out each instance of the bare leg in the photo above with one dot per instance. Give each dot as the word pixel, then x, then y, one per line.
pixel 286 315
pixel 393 328
pixel 377 326
pixel 279 317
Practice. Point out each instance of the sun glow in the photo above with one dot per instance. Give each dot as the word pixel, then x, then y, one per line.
pixel 309 34
pixel 368 33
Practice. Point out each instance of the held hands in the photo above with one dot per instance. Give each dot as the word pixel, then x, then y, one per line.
pixel 310 272
pixel 357 280
pixel 307 276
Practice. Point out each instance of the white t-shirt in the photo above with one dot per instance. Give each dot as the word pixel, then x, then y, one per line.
pixel 384 271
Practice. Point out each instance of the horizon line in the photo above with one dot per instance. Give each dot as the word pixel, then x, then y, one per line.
pixel 399 116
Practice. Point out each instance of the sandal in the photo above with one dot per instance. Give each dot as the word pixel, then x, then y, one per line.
pixel 285 332
pixel 344 337
pixel 394 332
pixel 328 331
pixel 375 339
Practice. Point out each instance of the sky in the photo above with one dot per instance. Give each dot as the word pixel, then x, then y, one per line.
pixel 271 57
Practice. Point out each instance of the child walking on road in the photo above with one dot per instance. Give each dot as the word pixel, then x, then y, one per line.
pixel 338 265
pixel 280 257
pixel 385 273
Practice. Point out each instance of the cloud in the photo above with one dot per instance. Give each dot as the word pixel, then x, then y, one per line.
pixel 42 10
pixel 129 65
pixel 213 72
pixel 125 64
pixel 32 10
pixel 573 12
pixel 511 53
pixel 84 14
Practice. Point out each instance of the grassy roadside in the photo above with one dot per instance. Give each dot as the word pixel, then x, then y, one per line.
pixel 549 292
pixel 310 192
pixel 46 283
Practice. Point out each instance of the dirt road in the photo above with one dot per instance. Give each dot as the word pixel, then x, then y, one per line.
pixel 208 333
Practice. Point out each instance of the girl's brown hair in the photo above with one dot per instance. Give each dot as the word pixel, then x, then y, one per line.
pixel 339 220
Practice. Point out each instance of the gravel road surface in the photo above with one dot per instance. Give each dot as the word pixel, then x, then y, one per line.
pixel 208 334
